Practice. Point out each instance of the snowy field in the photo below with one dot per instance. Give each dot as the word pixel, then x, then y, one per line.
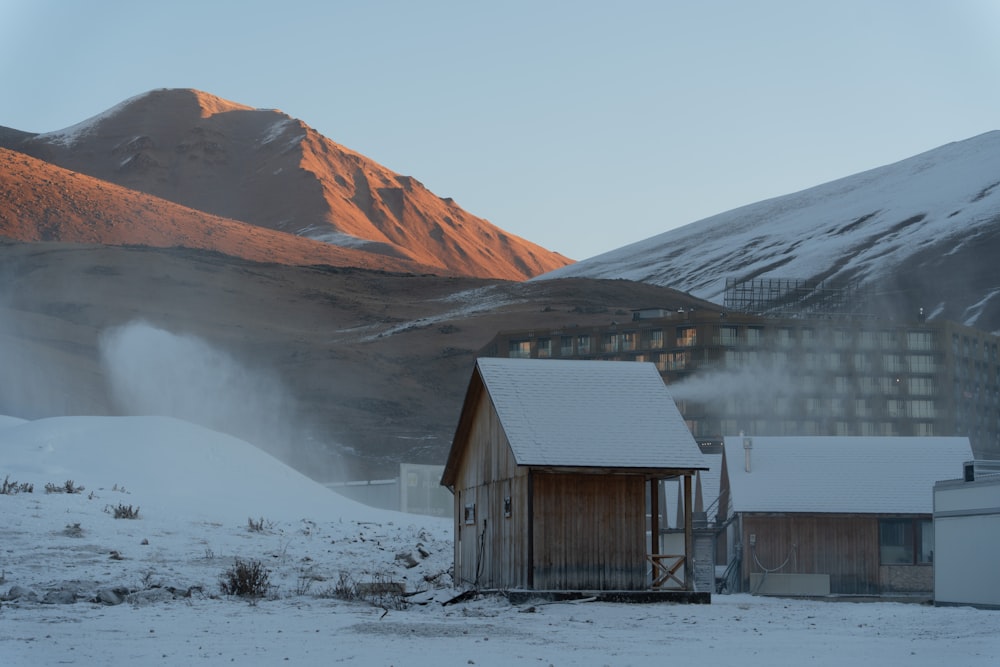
pixel 81 587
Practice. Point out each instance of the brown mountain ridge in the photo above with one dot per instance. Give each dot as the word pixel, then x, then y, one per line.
pixel 42 202
pixel 262 167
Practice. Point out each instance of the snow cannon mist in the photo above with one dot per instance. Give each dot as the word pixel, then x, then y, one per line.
pixel 755 387
pixel 155 372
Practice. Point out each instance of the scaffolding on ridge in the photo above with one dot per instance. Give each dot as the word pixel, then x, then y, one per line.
pixel 794 297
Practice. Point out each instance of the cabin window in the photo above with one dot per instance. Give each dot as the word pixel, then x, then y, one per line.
pixel 906 541
pixel 470 514
pixel 544 348
pixel 583 344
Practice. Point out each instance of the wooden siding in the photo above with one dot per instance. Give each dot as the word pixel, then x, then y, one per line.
pixel 589 532
pixel 493 552
pixel 843 546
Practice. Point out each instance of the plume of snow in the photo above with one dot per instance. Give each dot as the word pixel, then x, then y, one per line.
pixel 151 371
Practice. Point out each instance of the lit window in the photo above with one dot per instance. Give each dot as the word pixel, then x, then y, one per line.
pixel 687 336
pixel 656 338
pixel 519 349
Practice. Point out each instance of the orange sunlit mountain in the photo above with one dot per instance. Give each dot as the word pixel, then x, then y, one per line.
pixel 42 202
pixel 262 167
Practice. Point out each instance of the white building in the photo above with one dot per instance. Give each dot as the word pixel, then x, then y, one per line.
pixel 967 537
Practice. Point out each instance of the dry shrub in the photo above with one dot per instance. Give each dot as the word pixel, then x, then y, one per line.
pixel 246 578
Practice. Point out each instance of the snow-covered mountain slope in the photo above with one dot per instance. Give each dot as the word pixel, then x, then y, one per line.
pixel 922 231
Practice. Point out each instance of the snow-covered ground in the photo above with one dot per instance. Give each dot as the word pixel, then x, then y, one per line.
pixel 197 492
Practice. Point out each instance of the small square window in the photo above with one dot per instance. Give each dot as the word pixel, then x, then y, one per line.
pixel 470 514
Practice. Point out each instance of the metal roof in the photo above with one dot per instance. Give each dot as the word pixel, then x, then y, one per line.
pixel 588 414
pixel 834 474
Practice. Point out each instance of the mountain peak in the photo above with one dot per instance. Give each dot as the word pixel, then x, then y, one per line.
pixel 262 167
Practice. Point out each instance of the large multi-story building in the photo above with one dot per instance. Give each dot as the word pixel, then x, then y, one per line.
pixel 733 372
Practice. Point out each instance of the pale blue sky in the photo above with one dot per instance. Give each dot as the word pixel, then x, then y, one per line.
pixel 581 126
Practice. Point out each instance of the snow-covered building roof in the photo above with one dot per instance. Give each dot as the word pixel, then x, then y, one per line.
pixel 588 414
pixel 833 474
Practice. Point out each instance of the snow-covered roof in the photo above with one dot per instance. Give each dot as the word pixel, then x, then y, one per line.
pixel 833 474
pixel 588 414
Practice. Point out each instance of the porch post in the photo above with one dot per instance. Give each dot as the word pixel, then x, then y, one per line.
pixel 688 537
pixel 654 517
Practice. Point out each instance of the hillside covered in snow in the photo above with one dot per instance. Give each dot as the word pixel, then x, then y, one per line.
pixel 922 232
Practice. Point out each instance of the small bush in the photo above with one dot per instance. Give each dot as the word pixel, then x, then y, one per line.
pixel 381 591
pixel 246 578
pixel 66 487
pixel 10 488
pixel 342 590
pixel 258 526
pixel 126 512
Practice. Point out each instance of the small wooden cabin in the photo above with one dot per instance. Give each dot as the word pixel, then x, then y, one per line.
pixel 553 467
pixel 832 515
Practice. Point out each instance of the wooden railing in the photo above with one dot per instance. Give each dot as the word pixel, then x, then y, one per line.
pixel 665 568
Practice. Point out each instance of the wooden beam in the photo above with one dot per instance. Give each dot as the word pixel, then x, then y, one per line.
pixel 654 516
pixel 530 509
pixel 688 537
